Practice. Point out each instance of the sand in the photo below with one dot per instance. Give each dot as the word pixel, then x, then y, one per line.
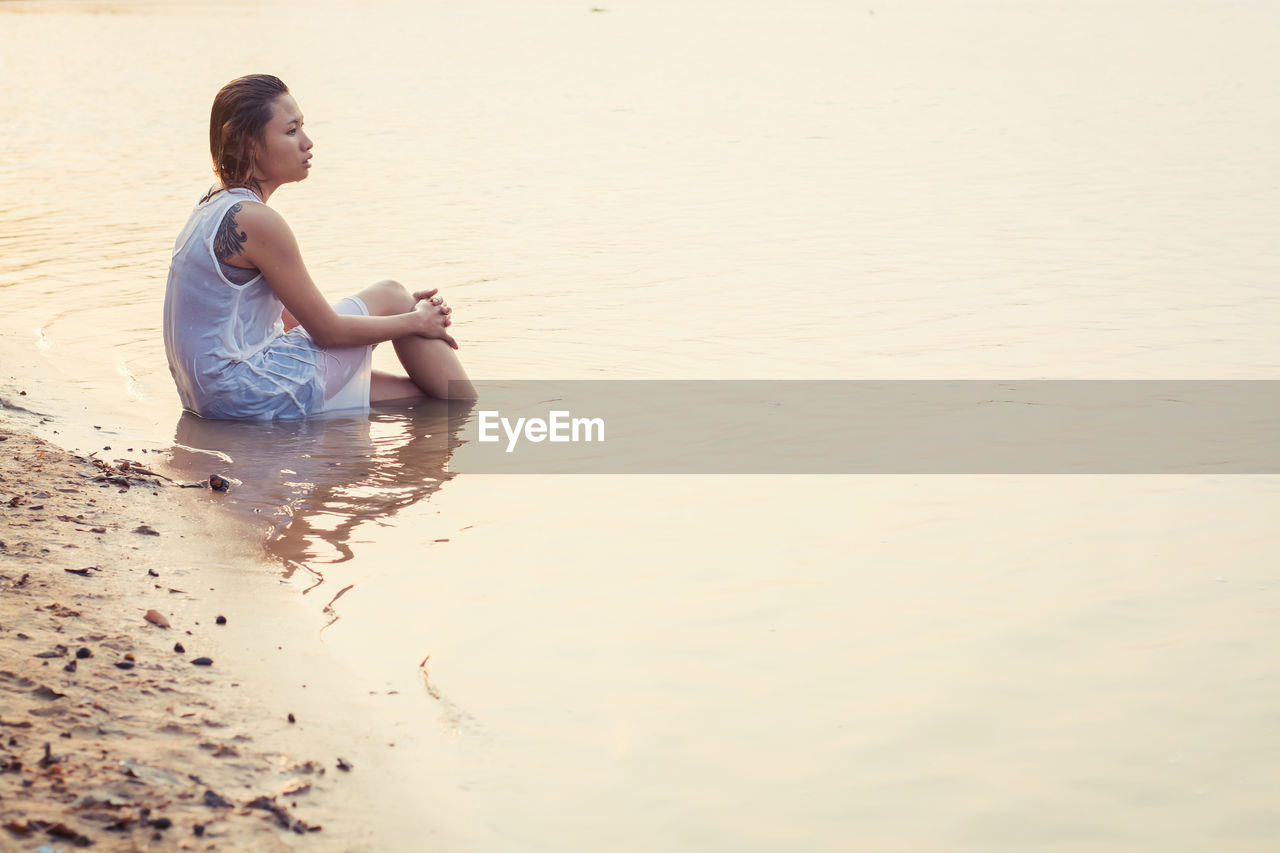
pixel 110 735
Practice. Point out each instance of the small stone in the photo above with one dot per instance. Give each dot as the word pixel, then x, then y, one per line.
pixel 203 661
pixel 70 667
pixel 291 718
pixel 344 765
pixel 177 647
pixel 124 664
pixel 213 801
pixel 84 652
pixel 221 620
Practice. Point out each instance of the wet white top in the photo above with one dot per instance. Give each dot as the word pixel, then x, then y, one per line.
pixel 227 348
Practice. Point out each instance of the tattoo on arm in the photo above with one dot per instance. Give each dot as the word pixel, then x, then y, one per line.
pixel 228 241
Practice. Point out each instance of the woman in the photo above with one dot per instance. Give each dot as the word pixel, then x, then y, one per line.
pixel 237 282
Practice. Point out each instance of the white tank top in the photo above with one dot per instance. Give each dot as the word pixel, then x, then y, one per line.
pixel 214 328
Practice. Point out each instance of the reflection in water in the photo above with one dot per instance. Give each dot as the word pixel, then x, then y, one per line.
pixel 310 484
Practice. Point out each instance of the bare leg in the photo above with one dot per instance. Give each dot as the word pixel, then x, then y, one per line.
pixel 385 387
pixel 430 363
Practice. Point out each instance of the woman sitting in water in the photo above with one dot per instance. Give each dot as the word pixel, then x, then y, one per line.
pixel 237 282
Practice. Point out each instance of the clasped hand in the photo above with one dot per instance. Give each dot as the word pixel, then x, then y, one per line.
pixel 435 312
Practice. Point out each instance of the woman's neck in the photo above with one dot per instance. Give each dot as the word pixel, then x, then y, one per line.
pixel 262 192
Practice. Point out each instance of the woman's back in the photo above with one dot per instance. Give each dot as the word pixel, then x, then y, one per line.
pixel 217 332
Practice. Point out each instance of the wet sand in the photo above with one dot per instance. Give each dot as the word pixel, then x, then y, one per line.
pixel 112 731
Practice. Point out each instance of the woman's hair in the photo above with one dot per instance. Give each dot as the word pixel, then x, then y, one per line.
pixel 240 112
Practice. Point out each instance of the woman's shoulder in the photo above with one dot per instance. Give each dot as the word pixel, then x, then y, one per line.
pixel 251 231
pixel 239 207
pixel 251 214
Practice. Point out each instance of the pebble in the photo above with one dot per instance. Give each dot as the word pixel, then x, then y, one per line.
pixel 203 661
pixel 177 647
pixel 221 620
pixel 213 801
pixel 84 652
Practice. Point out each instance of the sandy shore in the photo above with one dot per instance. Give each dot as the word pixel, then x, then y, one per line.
pixel 113 732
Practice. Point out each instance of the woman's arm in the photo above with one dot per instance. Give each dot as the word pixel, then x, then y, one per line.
pixel 263 239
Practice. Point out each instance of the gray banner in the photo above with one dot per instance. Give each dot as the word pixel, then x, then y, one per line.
pixel 869 427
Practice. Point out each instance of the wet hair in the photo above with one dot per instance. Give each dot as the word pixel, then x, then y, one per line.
pixel 241 111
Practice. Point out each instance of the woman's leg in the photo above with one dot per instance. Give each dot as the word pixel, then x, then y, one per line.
pixel 430 362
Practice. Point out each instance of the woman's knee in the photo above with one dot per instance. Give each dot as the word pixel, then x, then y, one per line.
pixel 387 297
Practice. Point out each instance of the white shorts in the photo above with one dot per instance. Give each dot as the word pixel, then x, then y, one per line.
pixel 345 372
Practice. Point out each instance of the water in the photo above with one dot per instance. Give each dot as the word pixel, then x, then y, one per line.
pixel 815 190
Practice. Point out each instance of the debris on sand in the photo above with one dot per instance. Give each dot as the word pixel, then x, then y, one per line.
pixel 155 617
pixel 124 473
pixel 129 766
pixel 214 801
pixel 214 483
pixel 281 814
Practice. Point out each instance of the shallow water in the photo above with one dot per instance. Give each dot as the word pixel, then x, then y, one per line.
pixel 702 191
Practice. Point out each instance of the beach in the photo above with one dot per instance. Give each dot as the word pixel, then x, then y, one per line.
pixel 112 736
pixel 656 657
pixel 122 723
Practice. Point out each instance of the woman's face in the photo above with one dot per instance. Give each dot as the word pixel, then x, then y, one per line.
pixel 284 154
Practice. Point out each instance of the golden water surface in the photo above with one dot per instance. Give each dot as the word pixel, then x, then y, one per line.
pixel 996 189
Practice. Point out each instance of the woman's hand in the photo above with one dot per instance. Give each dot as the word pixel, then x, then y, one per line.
pixel 434 314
